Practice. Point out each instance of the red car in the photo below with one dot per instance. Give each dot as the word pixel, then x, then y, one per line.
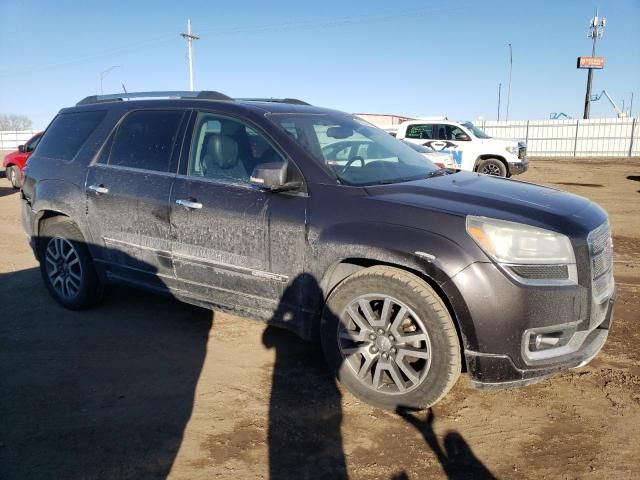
pixel 15 161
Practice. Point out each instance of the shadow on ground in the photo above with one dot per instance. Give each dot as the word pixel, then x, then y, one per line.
pixel 104 393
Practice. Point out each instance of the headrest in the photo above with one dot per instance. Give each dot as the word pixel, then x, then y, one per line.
pixel 222 151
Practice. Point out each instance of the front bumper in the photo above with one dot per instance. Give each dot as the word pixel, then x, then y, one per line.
pixel 505 317
pixel 489 371
pixel 516 168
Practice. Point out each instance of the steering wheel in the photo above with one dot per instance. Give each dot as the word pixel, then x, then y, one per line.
pixel 351 162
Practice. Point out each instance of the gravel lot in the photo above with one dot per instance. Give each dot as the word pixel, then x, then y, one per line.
pixel 147 387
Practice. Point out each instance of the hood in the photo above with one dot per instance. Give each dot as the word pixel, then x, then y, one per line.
pixel 465 193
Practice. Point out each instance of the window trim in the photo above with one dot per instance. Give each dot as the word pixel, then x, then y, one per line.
pixel 176 148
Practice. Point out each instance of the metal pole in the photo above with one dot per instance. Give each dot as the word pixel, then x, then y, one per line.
pixel 499 91
pixel 189 37
pixel 509 90
pixel 631 105
pixel 596 30
pixel 633 132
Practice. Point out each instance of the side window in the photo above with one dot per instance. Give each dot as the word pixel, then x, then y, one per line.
pixel 226 149
pixel 451 132
pixel 457 133
pixel 31 146
pixel 420 132
pixel 144 140
pixel 67 133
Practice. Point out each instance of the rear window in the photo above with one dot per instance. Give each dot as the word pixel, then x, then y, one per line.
pixel 67 133
pixel 420 132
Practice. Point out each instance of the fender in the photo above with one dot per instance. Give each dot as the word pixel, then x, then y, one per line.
pixel 432 255
pixel 61 197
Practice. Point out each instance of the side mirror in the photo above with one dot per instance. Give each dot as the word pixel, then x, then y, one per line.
pixel 273 176
pixel 22 149
pixel 463 137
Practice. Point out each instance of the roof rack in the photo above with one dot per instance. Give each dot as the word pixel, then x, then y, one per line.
pixel 204 94
pixel 293 101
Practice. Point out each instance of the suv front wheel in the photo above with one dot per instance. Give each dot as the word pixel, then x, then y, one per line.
pixel 492 166
pixel 66 265
pixel 390 339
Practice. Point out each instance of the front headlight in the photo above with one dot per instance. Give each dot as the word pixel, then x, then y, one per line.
pixel 529 253
pixel 512 150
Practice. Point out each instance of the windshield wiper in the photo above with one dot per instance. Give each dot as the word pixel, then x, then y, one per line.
pixel 439 173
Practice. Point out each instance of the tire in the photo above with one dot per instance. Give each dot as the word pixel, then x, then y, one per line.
pixel 380 350
pixel 66 265
pixel 492 166
pixel 14 176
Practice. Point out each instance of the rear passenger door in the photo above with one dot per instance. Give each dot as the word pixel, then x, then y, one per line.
pixel 128 188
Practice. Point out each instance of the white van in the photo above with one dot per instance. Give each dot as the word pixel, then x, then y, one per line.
pixel 470 148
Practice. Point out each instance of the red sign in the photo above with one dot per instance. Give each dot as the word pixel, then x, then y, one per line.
pixel 590 62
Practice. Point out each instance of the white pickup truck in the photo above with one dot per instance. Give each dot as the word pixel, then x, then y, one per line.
pixel 470 148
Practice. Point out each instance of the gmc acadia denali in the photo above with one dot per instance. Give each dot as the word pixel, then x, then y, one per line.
pixel 405 272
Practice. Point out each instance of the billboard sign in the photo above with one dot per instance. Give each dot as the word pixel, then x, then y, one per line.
pixel 590 62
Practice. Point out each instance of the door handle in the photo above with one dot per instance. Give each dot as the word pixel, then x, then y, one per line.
pixel 189 204
pixel 98 189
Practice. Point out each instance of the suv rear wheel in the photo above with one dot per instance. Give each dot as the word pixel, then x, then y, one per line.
pixel 390 339
pixel 14 176
pixel 66 266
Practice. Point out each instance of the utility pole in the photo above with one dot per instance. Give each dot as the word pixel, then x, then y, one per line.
pixel 190 37
pixel 631 105
pixel 103 74
pixel 499 91
pixel 509 90
pixel 596 31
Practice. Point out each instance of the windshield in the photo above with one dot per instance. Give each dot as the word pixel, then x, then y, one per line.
pixel 355 151
pixel 475 130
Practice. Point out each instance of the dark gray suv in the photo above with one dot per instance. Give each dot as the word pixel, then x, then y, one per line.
pixel 407 273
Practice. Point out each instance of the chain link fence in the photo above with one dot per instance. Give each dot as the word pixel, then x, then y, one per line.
pixel 598 137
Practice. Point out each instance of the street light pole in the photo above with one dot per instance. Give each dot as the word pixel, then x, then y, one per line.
pixel 509 89
pixel 104 73
pixel 190 37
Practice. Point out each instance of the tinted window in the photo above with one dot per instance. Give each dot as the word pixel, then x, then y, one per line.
pixel 226 149
pixel 33 143
pixel 67 133
pixel 420 132
pixel 145 140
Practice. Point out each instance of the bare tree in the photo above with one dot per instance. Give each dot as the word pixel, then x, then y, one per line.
pixel 10 121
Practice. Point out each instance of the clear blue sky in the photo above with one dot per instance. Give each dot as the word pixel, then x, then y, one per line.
pixel 420 58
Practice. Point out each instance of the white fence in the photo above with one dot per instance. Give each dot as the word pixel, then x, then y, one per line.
pixel 11 140
pixel 598 137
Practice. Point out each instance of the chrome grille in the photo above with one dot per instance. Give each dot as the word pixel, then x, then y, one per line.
pixel 601 253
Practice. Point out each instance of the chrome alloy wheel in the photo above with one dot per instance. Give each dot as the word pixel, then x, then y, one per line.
pixel 63 267
pixel 384 343
pixel 491 169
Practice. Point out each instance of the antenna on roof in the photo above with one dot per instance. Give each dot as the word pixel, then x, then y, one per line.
pixel 124 89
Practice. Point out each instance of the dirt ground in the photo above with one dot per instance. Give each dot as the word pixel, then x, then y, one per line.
pixel 147 387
